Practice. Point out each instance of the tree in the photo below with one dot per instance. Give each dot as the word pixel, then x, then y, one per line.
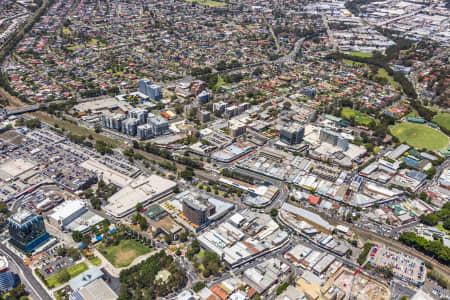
pixel 77 236
pixel 184 236
pixel 98 127
pixel 168 239
pixel 429 219
pixel 86 240
pixel 139 207
pixel 63 276
pixel 273 212
pixel 198 286
pixel 187 173
pixel 446 224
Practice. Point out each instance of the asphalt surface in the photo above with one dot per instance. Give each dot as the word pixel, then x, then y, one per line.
pixel 26 275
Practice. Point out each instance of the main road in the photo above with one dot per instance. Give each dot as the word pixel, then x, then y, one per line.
pixel 25 274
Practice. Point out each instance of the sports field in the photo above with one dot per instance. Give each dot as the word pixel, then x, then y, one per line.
pixel 123 254
pixel 360 118
pixel 443 120
pixel 420 136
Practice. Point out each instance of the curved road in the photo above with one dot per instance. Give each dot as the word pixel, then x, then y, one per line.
pixel 26 274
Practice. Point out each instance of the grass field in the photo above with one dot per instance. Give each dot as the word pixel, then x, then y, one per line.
pixel 420 136
pixel 354 63
pixel 96 261
pixel 360 118
pixel 209 3
pixel 361 54
pixel 220 82
pixel 443 120
pixel 74 271
pixel 382 73
pixel 123 254
pixel 440 226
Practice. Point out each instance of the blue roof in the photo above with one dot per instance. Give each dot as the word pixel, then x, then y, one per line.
pixel 6 281
pixel 410 162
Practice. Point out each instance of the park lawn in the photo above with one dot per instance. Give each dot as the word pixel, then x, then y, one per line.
pixel 413 114
pixel 361 54
pixel 209 3
pixel 74 271
pixel 440 227
pixel 73 48
pixel 220 83
pixel 382 73
pixel 354 63
pixel 96 261
pixel 360 118
pixel 123 254
pixel 443 120
pixel 420 136
pixel 201 254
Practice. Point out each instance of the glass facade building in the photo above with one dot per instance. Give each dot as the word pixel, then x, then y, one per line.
pixel 27 230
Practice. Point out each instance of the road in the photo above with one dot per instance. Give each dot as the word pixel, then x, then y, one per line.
pixel 290 58
pixel 329 33
pixel 26 274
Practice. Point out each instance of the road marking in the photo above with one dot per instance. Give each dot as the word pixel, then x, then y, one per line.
pixel 23 274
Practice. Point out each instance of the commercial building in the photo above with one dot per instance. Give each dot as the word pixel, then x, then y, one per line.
pixel 154 92
pixel 236 128
pixel 144 83
pixel 231 111
pixel 141 190
pixel 308 91
pixel 7 281
pixel 144 131
pixel 197 211
pixel 397 152
pixel 140 114
pixel 67 212
pixel 129 126
pixel 159 124
pixel 333 138
pixel 203 116
pixel 203 97
pixel 148 88
pixel 292 134
pixel 113 121
pixel 4 266
pixel 220 106
pixel 309 217
pixel 265 275
pixel 27 230
pixel 95 290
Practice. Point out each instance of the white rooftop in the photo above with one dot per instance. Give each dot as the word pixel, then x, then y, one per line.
pixel 66 209
pixel 140 190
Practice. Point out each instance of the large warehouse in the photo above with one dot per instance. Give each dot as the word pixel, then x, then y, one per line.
pixel 144 189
